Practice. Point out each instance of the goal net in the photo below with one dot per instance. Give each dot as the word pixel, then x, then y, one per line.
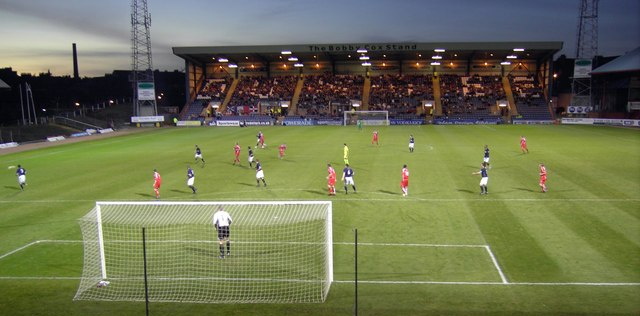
pixel 366 117
pixel 281 252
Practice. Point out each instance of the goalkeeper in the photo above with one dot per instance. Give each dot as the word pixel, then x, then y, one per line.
pixel 222 221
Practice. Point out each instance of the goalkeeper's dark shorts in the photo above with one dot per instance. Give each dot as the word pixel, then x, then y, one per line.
pixel 223 232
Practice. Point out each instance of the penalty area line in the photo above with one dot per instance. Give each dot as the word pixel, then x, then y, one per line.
pixel 496 265
pixel 38 242
pixel 382 282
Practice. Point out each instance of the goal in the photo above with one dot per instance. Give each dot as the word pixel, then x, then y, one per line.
pixel 366 117
pixel 281 252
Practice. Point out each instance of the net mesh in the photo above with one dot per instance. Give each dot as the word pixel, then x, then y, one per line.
pixel 281 252
pixel 366 117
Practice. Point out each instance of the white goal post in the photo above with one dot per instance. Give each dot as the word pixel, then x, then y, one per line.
pixel 280 252
pixel 366 117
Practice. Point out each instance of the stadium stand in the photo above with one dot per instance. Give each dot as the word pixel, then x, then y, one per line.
pixel 319 91
pixel 400 94
pixel 253 89
pixel 215 89
pixel 471 98
pixel 529 99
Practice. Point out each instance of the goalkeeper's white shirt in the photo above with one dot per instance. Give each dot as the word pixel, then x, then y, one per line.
pixel 221 219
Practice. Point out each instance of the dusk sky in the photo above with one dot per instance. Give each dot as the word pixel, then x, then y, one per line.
pixel 36 35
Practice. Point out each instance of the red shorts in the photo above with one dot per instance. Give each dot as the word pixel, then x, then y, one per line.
pixel 543 180
pixel 156 185
pixel 404 183
pixel 331 182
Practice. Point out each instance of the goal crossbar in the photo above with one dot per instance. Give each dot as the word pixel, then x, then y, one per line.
pixel 366 117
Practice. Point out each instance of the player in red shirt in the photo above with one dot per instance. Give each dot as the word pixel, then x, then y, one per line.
pixel 404 184
pixel 375 138
pixel 523 145
pixel 261 140
pixel 157 182
pixel 543 178
pixel 236 152
pixel 281 149
pixel 331 180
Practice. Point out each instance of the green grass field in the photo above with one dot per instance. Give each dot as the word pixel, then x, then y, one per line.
pixel 443 250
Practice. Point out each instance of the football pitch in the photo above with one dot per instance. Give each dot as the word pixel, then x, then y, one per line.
pixel 442 250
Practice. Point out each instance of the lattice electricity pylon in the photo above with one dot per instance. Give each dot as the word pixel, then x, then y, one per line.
pixel 586 50
pixel 141 63
pixel 587 41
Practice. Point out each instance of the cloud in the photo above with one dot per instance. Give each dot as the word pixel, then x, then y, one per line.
pixel 109 20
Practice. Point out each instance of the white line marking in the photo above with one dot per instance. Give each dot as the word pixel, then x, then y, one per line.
pixel 410 245
pixel 18 249
pixel 495 264
pixel 38 278
pixel 487 248
pixel 498 283
pixel 241 242
pixel 37 242
pixel 378 282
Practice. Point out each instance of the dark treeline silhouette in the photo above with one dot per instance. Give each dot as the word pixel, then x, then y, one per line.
pixel 59 94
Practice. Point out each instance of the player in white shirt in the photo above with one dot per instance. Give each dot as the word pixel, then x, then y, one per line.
pixel 222 221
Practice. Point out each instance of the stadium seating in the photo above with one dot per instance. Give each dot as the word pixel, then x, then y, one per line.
pixel 320 91
pixel 400 94
pixel 194 110
pixel 529 99
pixel 214 89
pixel 252 89
pixel 470 97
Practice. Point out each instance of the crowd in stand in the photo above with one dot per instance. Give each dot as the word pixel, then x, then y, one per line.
pixel 215 89
pixel 471 96
pixel 526 91
pixel 252 89
pixel 400 94
pixel 319 91
pixel 461 96
pixel 529 98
